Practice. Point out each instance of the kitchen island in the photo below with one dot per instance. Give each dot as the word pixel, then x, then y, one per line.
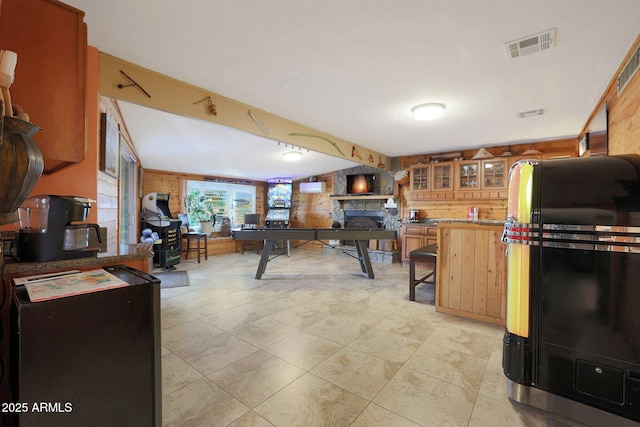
pixel 471 270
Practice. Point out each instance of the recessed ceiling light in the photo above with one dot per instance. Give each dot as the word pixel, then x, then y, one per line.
pixel 292 156
pixel 428 111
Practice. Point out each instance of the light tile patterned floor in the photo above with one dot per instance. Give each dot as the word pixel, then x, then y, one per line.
pixel 317 343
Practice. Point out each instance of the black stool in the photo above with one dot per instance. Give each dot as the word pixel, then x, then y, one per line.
pixel 428 254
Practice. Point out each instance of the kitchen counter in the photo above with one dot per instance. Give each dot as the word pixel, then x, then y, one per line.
pixel 471 270
pixel 136 256
pixel 433 222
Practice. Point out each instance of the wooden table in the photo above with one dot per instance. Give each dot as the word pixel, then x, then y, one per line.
pixel 360 236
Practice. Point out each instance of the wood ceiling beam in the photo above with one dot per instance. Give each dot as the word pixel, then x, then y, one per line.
pixel 129 82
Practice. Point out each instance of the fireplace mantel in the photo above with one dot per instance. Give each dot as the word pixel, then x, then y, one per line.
pixel 363 197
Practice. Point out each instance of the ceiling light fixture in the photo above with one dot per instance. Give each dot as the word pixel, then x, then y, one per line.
pixel 292 156
pixel 428 111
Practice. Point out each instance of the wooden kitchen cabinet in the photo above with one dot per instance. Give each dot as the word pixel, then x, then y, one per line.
pixel 50 39
pixel 419 177
pixel 414 236
pixel 432 181
pixel 494 174
pixel 471 272
pixel 481 179
pixel 442 176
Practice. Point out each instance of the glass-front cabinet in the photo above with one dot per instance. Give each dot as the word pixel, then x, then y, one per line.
pixel 478 179
pixel 419 177
pixel 442 177
pixel 468 175
pixel 431 181
pixel 494 173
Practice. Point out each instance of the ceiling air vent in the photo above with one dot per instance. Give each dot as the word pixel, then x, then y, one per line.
pixel 531 44
pixel 629 70
pixel 531 113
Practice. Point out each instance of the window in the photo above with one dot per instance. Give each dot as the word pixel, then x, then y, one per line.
pixel 128 196
pixel 232 201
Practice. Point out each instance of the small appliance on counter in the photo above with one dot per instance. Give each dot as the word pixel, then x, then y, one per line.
pixel 46 231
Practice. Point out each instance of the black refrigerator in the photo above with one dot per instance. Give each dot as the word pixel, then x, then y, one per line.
pixel 91 359
pixel 572 339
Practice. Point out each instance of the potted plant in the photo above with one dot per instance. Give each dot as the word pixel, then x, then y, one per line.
pixel 200 210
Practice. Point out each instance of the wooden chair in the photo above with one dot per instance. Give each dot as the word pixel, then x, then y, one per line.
pixel 187 237
pixel 426 254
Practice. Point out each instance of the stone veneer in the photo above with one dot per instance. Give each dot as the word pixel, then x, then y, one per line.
pixel 384 185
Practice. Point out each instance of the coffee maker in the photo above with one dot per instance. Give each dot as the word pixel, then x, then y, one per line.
pixel 46 232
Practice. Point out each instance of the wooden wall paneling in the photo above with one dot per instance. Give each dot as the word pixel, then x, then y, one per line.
pixel 624 119
pixel 444 205
pixel 623 111
pixel 312 210
pixel 448 208
pixel 172 183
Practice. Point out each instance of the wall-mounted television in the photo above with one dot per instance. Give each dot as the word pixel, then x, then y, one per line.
pixel 361 183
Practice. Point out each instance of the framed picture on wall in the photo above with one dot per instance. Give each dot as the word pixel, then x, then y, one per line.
pixel 109 146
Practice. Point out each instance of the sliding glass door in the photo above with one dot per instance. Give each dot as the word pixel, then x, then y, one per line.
pixel 128 196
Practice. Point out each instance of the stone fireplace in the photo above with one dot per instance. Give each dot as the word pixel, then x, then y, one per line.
pixel 363 219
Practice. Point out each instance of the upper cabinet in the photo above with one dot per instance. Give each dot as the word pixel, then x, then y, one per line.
pixel 479 179
pixel 419 177
pixel 494 174
pixel 431 181
pixel 50 39
pixel 442 176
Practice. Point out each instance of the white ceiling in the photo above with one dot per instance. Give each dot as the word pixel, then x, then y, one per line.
pixel 355 68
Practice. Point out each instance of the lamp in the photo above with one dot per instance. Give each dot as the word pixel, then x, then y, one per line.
pixel 292 156
pixel 428 111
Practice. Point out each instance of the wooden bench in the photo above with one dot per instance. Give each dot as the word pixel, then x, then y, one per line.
pixel 425 254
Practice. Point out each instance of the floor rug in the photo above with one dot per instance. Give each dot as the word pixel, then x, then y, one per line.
pixel 172 279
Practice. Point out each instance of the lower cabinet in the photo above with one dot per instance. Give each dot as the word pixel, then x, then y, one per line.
pixel 416 236
pixel 472 272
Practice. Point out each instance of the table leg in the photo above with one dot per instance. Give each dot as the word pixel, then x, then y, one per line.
pixel 363 256
pixel 264 258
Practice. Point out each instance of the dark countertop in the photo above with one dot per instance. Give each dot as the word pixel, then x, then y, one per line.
pixel 433 222
pixel 127 253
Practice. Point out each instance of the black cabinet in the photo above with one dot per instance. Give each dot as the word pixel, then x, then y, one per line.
pixel 91 359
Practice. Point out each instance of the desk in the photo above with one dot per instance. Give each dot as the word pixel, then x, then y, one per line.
pixel 360 236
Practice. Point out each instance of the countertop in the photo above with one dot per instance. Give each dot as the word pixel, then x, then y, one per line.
pixel 433 222
pixel 127 253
